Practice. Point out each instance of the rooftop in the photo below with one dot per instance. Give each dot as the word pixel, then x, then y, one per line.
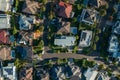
pixel 113 45
pixel 116 27
pixel 25 38
pixel 64 9
pixel 9 72
pixel 26 73
pixel 4 37
pixel 90 74
pixel 30 7
pixel 65 41
pixel 4 21
pixel 85 38
pixel 65 28
pixel 96 3
pixel 25 52
pixel 5 5
pixel 89 16
pixel 25 22
pixel 6 53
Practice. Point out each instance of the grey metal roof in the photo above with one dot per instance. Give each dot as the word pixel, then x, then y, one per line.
pixel 5 5
pixel 4 21
pixel 65 41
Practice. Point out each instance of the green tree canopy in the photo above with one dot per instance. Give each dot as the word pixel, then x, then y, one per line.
pixel 103 12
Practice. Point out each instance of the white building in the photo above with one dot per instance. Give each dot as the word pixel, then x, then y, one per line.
pixel 116 28
pixel 9 72
pixel 85 38
pixel 65 41
pixel 113 45
pixel 90 74
pixel 4 21
pixel 6 5
pixel 89 16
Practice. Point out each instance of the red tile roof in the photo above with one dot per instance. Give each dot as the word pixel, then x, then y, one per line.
pixel 65 10
pixel 4 39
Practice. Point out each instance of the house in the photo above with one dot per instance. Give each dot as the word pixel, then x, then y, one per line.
pixel 65 41
pixel 118 12
pixel 113 44
pixel 26 22
pixel 5 21
pixel 6 53
pixel 72 1
pixel 26 73
pixel 64 9
pixel 30 7
pixel 85 38
pixel 90 74
pixel 102 76
pixel 57 72
pixel 73 71
pixel 89 16
pixel 6 5
pixel 66 71
pixel 113 48
pixel 9 72
pixel 42 74
pixel 96 3
pixel 4 37
pixel 116 28
pixel 25 38
pixel 64 28
pixel 25 52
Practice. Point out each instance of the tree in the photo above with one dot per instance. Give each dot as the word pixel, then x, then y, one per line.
pixel 75 49
pixel 79 7
pixel 41 28
pixel 43 8
pixel 77 37
pixel 98 31
pixel 94 46
pixel 74 20
pixel 14 30
pixel 96 38
pixel 105 6
pixel 16 4
pixel 114 10
pixel 44 1
pixel 117 1
pixel 101 67
pixel 110 18
pixel 102 12
pixel 19 63
pixel 51 15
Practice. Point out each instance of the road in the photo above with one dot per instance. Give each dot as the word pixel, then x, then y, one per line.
pixel 71 55
pixel 116 70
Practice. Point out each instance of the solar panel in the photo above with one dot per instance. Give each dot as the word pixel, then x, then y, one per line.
pixel 9 71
